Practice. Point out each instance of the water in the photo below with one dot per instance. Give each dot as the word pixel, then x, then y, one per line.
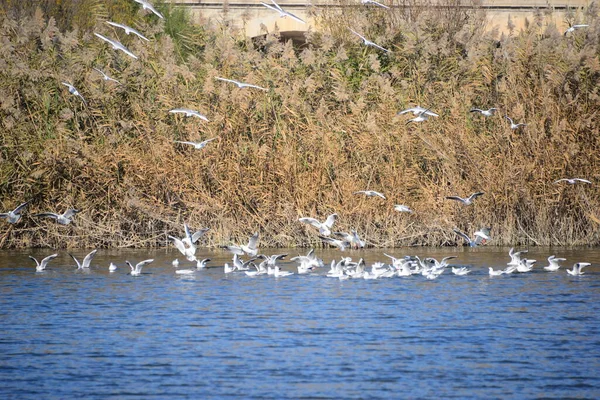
pixel 66 334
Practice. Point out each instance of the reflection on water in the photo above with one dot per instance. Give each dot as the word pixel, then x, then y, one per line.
pixel 68 333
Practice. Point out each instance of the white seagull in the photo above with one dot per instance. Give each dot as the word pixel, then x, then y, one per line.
pixel 188 113
pixel 466 201
pixel 106 77
pixel 577 269
pixel 418 110
pixel 515 257
pixel 128 30
pixel 460 271
pixel 86 261
pixel 40 266
pixel 553 263
pixel 116 45
pixel 514 126
pixel 370 193
pixel 12 217
pixel 282 13
pixel 74 91
pixel 147 6
pixel 367 42
pixel 402 208
pixel 197 145
pixel 341 244
pixel 496 273
pixel 112 267
pixel 241 85
pixel 572 28
pixel 572 181
pixel 352 238
pixel 375 3
pixel 137 270
pixel 485 113
pixel 63 219
pixel 324 227
pixel 249 249
pixel 480 237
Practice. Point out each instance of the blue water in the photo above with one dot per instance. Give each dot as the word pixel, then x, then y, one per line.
pixel 67 334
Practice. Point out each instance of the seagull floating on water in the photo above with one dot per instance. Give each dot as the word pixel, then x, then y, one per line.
pixel 485 113
pixel 106 77
pixel 514 126
pixel 495 273
pixel 282 13
pixel 572 28
pixel 12 217
pixel 116 45
pixel 324 227
pixel 572 181
pixel 112 267
pixel 147 6
pixel 370 193
pixel 375 3
pixel 197 145
pixel 241 85
pixel 188 113
pixel 367 42
pixel 86 261
pixel 137 270
pixel 577 269
pixel 41 265
pixel 74 91
pixel 402 208
pixel 63 219
pixel 466 201
pixel 553 263
pixel 128 30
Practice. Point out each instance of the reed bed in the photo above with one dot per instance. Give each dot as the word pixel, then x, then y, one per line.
pixel 326 128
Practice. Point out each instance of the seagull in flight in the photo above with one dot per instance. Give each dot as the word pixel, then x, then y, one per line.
pixel 188 113
pixel 106 77
pixel 74 91
pixel 468 201
pixel 63 219
pixel 137 270
pixel 128 30
pixel 402 208
pixel 485 113
pixel 514 126
pixel 367 42
pixel 418 110
pixel 480 237
pixel 116 45
pixel 341 244
pixel 147 6
pixel 375 3
pixel 572 181
pixel 12 217
pixel 577 269
pixel 197 145
pixel 370 193
pixel 249 249
pixel 572 28
pixel 553 263
pixel 40 266
pixel 324 227
pixel 86 261
pixel 282 13
pixel 239 84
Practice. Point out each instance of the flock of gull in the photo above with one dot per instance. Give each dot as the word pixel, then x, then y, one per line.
pixel 342 269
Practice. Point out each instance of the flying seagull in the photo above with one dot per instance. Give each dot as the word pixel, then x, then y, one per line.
pixel 367 42
pixel 572 181
pixel 116 45
pixel 402 208
pixel 147 6
pixel 197 145
pixel 12 217
pixel 63 219
pixel 106 77
pixel 86 261
pixel 370 193
pixel 577 268
pixel 422 116
pixel 249 249
pixel 74 91
pixel 553 263
pixel 418 110
pixel 40 266
pixel 188 113
pixel 485 113
pixel 468 201
pixel 128 30
pixel 480 236
pixel 239 84
pixel 573 27
pixel 324 227
pixel 341 244
pixel 375 3
pixel 282 13
pixel 514 126
pixel 137 270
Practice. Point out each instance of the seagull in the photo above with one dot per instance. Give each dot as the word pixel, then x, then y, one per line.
pixel 112 267
pixel 572 181
pixel 402 208
pixel 63 219
pixel 128 30
pixel 197 145
pixel 228 269
pixel 370 193
pixel 480 237
pixel 86 261
pixel 525 265
pixel 421 117
pixel 148 6
pixel 137 270
pixel 351 238
pixel 12 217
pixel 106 77
pixel 188 113
pixel 367 42
pixel 188 251
pixel 175 263
pixel 577 269
pixel 249 249
pixel 367 2
pixel 241 85
pixel 460 271
pixel 553 263
pixel 496 273
pixel 341 244
pixel 514 126
pixel 485 113
pixel 573 27
pixel 418 110
pixel 310 260
pixel 40 266
pixel 74 91
pixel 280 273
pixel 515 258
pixel 116 45
pixel 282 13
pixel 468 201
pixel 324 227
pixel 201 264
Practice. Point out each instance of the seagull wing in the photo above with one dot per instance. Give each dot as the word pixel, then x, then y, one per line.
pixel 46 260
pixel 178 244
pixel 456 198
pixel 509 119
pixel 70 213
pixel 227 80
pixel 88 259
pixel 248 85
pixel 235 250
pixel 198 234
pixel 475 195
pixel 271 7
pixel 378 4
pixel 253 241
pixel 582 180
pixel 462 235
pixel 330 220
pixel 21 206
pixel 182 142
pixel 311 221
pixel 561 180
pixel 76 261
pixel 292 16
pixel 47 214
pixel 142 264
pixel 37 264
pixel 373 44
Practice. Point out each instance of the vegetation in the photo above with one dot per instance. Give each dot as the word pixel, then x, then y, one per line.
pixel 326 128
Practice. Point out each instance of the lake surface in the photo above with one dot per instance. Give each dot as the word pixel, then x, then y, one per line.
pixel 99 335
